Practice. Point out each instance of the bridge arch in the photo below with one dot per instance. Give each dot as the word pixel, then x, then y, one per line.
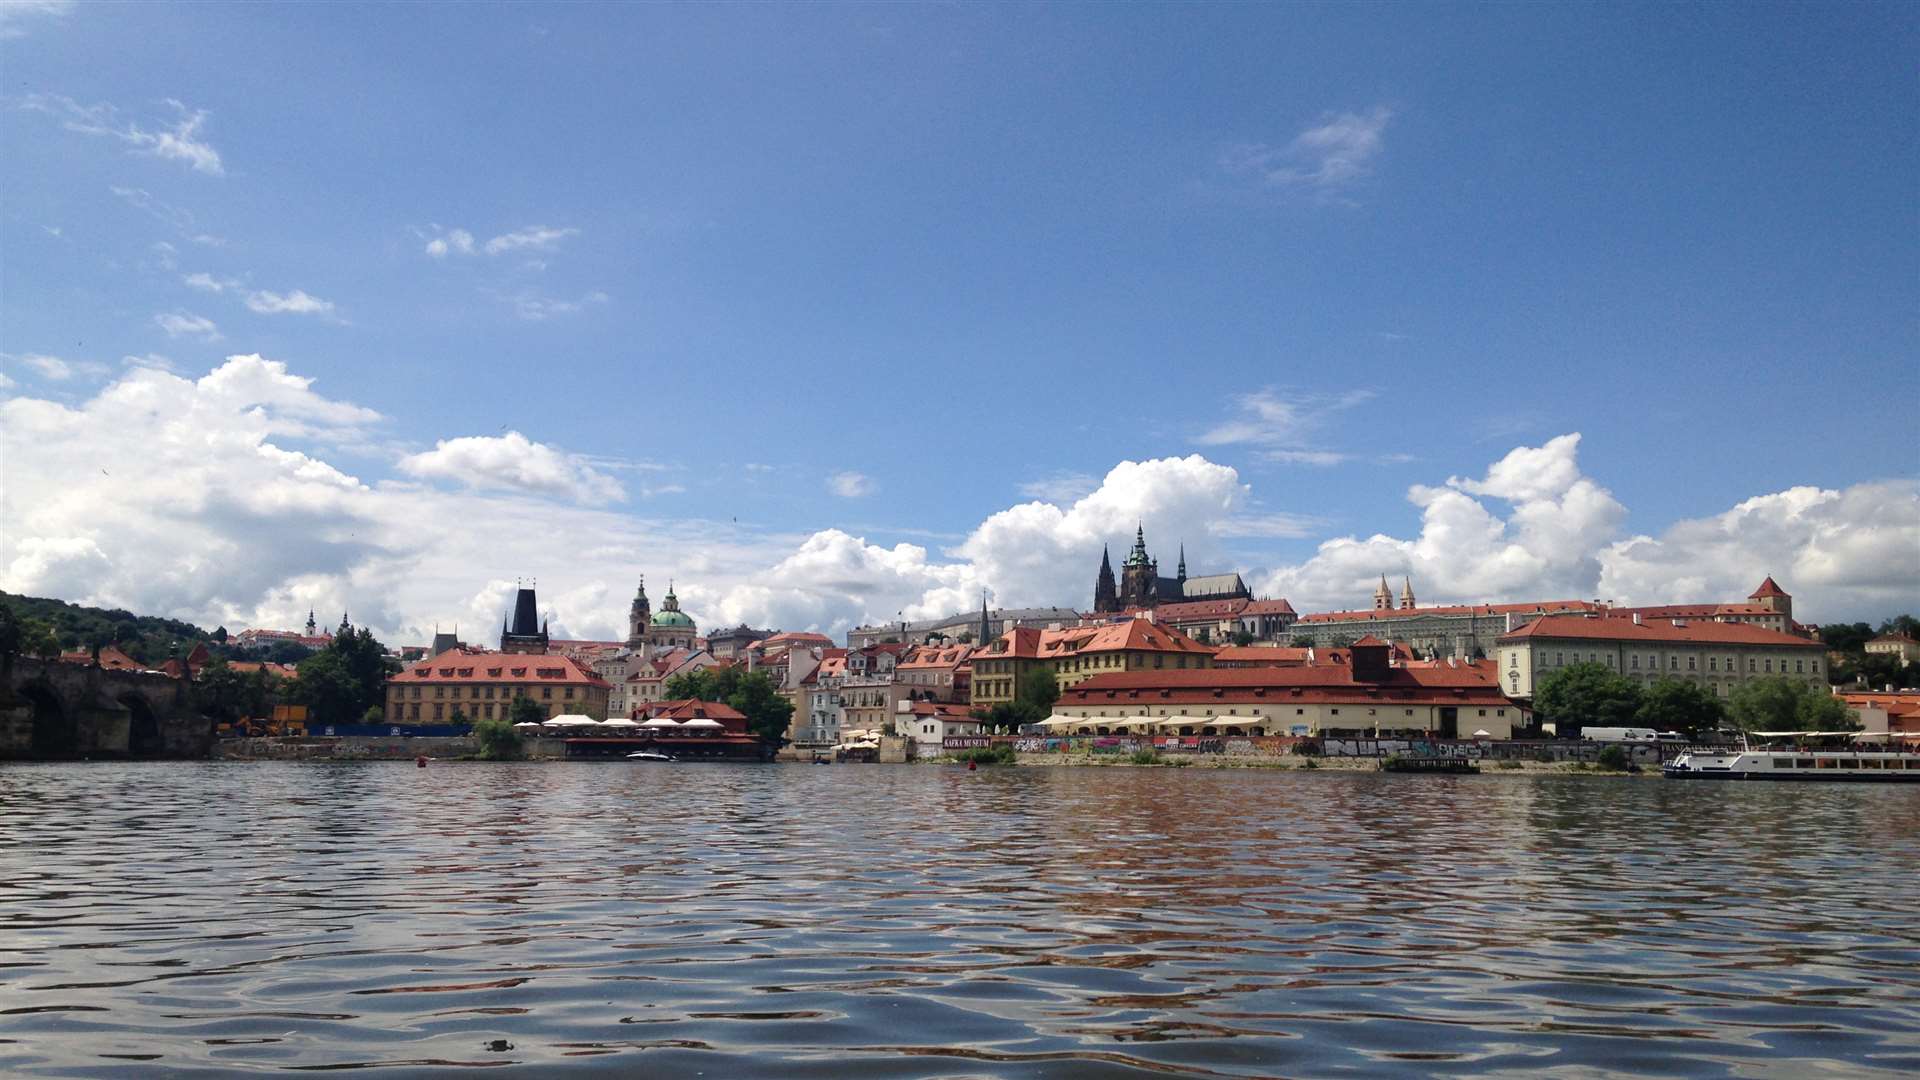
pixel 56 730
pixel 143 727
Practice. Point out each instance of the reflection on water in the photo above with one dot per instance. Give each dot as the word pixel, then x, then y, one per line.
pixel 893 921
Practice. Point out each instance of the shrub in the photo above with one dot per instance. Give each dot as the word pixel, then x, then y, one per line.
pixel 497 739
pixel 1145 756
pixel 1614 758
pixel 988 755
pixel 1309 763
pixel 1507 764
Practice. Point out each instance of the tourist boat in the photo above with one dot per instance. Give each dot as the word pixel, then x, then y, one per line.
pixel 1796 763
pixel 649 755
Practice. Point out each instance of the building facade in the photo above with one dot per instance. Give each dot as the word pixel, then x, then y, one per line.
pixel 483 685
pixel 1719 656
pixel 1369 696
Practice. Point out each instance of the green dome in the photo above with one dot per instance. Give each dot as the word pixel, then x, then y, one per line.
pixel 671 618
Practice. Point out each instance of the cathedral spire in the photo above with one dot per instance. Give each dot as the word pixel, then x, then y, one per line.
pixel 1383 596
pixel 1406 592
pixel 981 640
pixel 1182 572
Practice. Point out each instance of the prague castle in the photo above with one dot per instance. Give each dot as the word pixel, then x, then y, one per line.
pixel 1140 585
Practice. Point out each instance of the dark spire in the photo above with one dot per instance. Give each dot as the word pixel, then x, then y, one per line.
pixel 984 623
pixel 1183 561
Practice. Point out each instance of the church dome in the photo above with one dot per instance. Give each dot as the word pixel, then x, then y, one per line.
pixel 669 617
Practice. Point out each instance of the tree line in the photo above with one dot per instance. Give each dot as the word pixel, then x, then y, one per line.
pixel 1595 695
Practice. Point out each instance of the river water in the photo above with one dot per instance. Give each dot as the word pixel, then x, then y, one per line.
pixel 882 921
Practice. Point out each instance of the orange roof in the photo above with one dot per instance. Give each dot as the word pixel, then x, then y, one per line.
pixel 695 709
pixel 1578 628
pixel 1768 589
pixel 932 656
pixel 460 666
pixel 1269 607
pixel 1463 684
pixel 1689 611
pixel 1257 655
pixel 1368 640
pixel 949 713
pixel 111 658
pixel 1134 635
pixel 1198 609
pixel 796 637
pixel 1537 607
pixel 1903 639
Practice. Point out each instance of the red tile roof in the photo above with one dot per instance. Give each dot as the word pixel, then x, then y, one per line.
pixel 1462 684
pixel 1538 607
pixel 1269 607
pixel 796 637
pixel 950 713
pixel 1578 628
pixel 461 666
pixel 1260 655
pixel 1134 635
pixel 1768 589
pixel 935 657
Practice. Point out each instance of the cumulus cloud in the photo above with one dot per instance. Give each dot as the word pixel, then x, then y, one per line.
pixel 180 140
pixel 296 302
pixel 1329 155
pixel 513 462
pixel 179 324
pixel 1545 547
pixel 453 241
pixel 1847 553
pixel 213 499
pixel 850 485
pixel 208 283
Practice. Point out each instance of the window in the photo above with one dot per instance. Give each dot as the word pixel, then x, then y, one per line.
pixel 1636 661
pixel 1749 665
pixel 1800 667
pixel 1769 665
pixel 569 693
pixel 437 707
pixel 1336 712
pixel 1713 663
pixel 546 692
pixel 439 691
pixel 1693 663
pixel 1559 658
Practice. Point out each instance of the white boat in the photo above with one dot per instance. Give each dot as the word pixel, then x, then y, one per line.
pixel 649 755
pixel 1796 763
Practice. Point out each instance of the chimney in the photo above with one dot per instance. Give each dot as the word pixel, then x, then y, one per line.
pixel 1636 618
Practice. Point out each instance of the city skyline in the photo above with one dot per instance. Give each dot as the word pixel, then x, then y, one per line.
pixel 845 314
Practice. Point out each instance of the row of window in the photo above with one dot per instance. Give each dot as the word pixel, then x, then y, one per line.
pixel 479 692
pixel 1335 711
pixel 1755 665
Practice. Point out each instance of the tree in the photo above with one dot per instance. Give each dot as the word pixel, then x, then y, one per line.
pixel 341 682
pixel 1242 638
pixel 1783 704
pixel 1303 641
pixel 1902 624
pixel 1586 695
pixel 966 637
pixel 496 738
pixel 1679 705
pixel 374 716
pixel 525 710
pixel 1846 637
pixel 750 693
pixel 220 634
pixel 458 716
pixel 230 695
pixel 1039 689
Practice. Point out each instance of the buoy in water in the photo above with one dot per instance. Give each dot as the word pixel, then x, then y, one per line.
pixel 972 765
pixel 420 762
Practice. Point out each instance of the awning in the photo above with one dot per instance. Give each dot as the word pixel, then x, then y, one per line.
pixel 701 722
pixel 661 722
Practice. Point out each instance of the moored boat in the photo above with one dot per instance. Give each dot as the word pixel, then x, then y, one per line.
pixel 650 755
pixel 1796 763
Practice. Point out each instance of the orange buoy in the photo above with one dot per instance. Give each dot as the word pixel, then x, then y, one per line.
pixel 972 765
pixel 420 762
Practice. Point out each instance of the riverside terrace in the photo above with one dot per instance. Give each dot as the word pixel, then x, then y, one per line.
pixel 685 729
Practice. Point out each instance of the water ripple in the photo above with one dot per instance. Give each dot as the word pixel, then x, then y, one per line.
pixel 907 922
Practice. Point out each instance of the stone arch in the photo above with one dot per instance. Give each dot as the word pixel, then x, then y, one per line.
pixel 143 727
pixel 56 730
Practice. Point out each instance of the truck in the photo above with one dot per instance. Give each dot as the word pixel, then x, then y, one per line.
pixel 1619 734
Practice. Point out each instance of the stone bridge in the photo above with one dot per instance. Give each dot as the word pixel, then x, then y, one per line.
pixel 53 710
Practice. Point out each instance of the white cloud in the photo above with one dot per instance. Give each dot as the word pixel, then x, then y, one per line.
pixel 534 307
pixel 182 324
pixel 6 383
pixel 1545 548
pixel 1330 155
pixel 456 241
pixel 208 283
pixel 513 462
pixel 150 360
pixel 531 238
pixel 1850 553
pixel 1058 487
pixel 15 14
pixel 179 141
pixel 295 303
pixel 443 242
pixel 49 367
pixel 850 485
pixel 184 497
pixel 1284 427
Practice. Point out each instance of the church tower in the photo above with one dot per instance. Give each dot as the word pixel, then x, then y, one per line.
pixel 1139 575
pixel 313 629
pixel 986 624
pixel 1383 596
pixel 1105 596
pixel 1406 594
pixel 523 632
pixel 637 618
pixel 1180 575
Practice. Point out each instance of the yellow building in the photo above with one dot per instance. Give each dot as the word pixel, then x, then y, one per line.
pixel 482 685
pixel 1080 652
pixel 1718 655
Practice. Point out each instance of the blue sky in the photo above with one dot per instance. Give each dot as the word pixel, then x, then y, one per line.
pixel 716 257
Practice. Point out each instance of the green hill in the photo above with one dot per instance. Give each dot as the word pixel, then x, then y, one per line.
pixel 147 638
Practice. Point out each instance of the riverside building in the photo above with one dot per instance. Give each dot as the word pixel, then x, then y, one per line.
pixel 1719 655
